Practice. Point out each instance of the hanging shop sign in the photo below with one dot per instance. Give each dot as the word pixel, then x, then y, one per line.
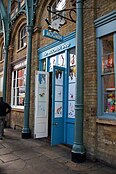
pixel 52 35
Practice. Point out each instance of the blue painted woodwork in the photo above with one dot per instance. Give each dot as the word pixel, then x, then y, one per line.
pixel 57 133
pixel 104 25
pixel 53 49
pixel 78 149
pixel 52 35
pixel 70 133
pixel 6 30
pixel 30 12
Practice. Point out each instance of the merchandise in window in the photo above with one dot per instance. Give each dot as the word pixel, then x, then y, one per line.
pixel 44 65
pixel 71 84
pixel 108 74
pixel 18 87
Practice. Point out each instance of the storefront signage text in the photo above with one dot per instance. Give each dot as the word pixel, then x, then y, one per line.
pixel 57 49
pixel 52 35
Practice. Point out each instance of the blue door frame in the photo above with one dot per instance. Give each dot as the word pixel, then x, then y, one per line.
pixel 57 127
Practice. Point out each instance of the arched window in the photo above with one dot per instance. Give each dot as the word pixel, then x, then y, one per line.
pixel 22 37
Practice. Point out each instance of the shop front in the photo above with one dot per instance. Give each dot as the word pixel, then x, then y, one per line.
pixel 55 92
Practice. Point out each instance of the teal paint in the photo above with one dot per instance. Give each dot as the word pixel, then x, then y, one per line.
pixel 26 133
pixel 6 30
pixel 52 35
pixel 5 72
pixel 78 150
pixel 54 49
pixel 104 25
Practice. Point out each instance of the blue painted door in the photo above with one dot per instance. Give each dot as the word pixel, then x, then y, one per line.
pixel 57 127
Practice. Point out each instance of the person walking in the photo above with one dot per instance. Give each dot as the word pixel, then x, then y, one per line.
pixel 5 108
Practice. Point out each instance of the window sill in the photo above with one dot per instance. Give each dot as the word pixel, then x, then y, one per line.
pixel 106 121
pixel 20 49
pixel 18 109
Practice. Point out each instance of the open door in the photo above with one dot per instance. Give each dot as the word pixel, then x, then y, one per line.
pixel 41 104
pixel 57 126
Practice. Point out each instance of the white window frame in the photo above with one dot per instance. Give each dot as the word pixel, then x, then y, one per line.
pixel 16 68
pixel 22 37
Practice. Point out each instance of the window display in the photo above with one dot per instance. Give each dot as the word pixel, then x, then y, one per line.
pixel 18 86
pixel 108 75
pixel 44 65
pixel 58 93
pixel 61 60
pixel 52 63
pixel 71 86
pixel 42 94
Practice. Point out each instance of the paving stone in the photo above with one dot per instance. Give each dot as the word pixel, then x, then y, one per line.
pixel 8 157
pixel 29 156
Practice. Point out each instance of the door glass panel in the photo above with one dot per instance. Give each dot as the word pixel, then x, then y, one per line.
pixel 42 93
pixel 59 77
pixel 71 84
pixel 108 63
pixel 108 74
pixel 58 93
pixel 62 60
pixel 44 65
pixel 52 63
pixel 58 109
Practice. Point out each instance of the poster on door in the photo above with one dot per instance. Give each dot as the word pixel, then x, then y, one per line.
pixel 71 91
pixel 58 109
pixel 71 109
pixel 58 93
pixel 42 80
pixel 41 109
pixel 59 77
pixel 42 94
pixel 61 60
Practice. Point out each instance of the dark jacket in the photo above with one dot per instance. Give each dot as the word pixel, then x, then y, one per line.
pixel 5 108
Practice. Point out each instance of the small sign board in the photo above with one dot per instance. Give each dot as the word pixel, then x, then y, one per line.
pixel 52 35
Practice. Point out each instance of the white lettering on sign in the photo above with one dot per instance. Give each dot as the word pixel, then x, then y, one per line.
pixel 53 35
pixel 57 49
pixel 19 65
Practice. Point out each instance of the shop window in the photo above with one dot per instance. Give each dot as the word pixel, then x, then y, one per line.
pixel 106 56
pixel 58 60
pixel 71 84
pixel 44 65
pixel 18 87
pixel 108 74
pixel 62 60
pixel 52 62
pixel 22 37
